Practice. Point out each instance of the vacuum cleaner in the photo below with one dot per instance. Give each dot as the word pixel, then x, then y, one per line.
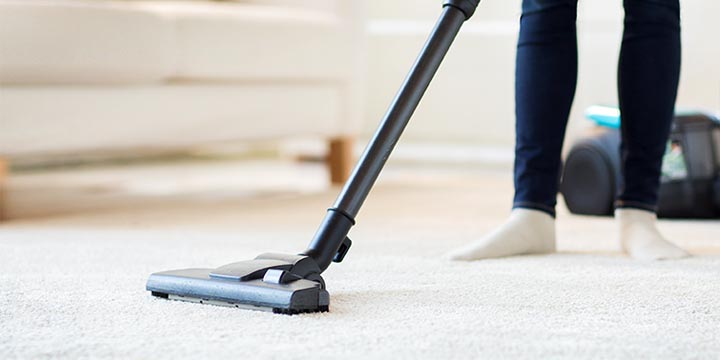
pixel 690 179
pixel 292 284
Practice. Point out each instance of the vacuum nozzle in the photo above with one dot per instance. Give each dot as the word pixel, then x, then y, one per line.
pixel 285 284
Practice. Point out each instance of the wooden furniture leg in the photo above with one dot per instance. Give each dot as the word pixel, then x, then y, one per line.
pixel 340 159
pixel 3 192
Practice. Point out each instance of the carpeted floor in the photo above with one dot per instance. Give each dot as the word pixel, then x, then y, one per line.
pixel 72 284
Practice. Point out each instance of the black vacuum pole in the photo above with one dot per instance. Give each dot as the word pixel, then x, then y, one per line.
pixel 330 242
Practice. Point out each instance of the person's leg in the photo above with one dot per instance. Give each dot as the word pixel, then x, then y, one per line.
pixel 648 75
pixel 545 81
pixel 546 75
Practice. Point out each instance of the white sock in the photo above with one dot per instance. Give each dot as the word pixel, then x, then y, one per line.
pixel 526 231
pixel 641 239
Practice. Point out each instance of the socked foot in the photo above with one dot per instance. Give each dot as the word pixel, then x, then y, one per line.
pixel 641 239
pixel 526 231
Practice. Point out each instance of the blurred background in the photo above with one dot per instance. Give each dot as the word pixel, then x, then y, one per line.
pixel 144 135
pixel 127 103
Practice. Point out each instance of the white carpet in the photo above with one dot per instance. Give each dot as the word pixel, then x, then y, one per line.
pixel 73 286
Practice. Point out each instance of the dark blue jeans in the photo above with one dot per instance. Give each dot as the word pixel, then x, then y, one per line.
pixel 546 76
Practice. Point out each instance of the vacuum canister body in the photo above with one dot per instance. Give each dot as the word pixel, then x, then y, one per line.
pixel 690 180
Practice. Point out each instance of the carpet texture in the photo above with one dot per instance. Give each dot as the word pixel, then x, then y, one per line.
pixel 73 286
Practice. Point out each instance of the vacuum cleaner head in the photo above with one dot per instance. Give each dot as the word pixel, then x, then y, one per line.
pixel 285 284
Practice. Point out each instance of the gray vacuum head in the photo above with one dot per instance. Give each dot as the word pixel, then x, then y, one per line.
pixel 285 284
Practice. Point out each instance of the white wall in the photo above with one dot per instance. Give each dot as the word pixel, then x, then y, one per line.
pixel 471 98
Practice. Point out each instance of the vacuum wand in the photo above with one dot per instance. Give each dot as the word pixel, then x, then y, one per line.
pixel 330 242
pixel 291 284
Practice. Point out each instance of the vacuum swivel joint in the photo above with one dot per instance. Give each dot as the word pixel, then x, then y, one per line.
pixel 466 6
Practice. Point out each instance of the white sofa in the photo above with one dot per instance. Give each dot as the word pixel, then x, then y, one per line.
pixel 87 75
